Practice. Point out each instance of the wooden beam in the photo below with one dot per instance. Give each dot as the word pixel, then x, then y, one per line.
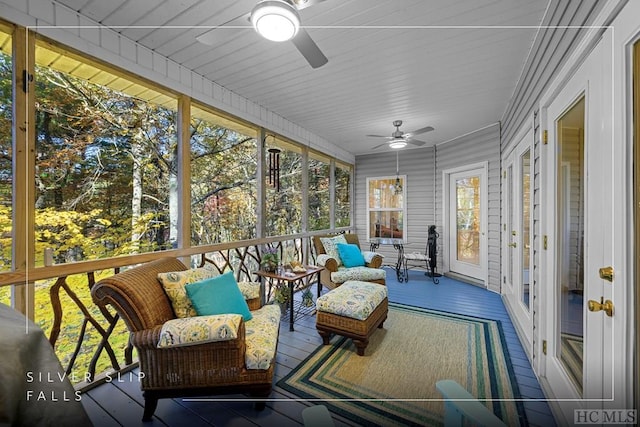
pixel 183 174
pixel 304 209
pixel 261 190
pixel 24 137
pixel 332 193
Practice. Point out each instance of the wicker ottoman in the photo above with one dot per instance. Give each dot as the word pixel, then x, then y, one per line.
pixel 354 310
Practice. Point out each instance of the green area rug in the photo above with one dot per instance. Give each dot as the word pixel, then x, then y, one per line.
pixel 394 383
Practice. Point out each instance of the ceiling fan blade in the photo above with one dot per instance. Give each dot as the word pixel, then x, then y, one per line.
pixel 419 131
pixel 416 142
pixel 380 145
pixel 380 136
pixel 303 4
pixel 212 36
pixel 309 49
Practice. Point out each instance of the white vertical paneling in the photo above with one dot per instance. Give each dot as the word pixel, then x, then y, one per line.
pixel 207 87
pixel 42 10
pixel 128 49
pixel 145 58
pixel 110 40
pixel 482 145
pixel 67 18
pixel 173 71
pixel 534 302
pixel 196 83
pixel 89 31
pixel 160 65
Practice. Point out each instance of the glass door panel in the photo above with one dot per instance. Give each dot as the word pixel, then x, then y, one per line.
pixel 467 213
pixel 510 226
pixel 468 219
pixel 525 225
pixel 570 191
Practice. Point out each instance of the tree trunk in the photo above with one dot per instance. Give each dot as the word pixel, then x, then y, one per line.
pixel 173 209
pixel 136 199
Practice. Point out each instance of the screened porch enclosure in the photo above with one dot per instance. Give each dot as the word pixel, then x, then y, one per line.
pixel 121 171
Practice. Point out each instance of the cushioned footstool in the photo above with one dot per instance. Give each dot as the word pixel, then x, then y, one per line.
pixel 354 310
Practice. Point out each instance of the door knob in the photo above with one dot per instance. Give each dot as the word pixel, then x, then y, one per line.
pixel 607 306
pixel 511 245
pixel 606 273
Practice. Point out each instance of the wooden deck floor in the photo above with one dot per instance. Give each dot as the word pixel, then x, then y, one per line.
pixel 120 401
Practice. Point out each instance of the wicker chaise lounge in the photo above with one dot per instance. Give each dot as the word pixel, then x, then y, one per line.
pixel 187 370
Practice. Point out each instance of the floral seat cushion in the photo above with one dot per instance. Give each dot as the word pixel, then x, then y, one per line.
pixel 200 329
pixel 354 299
pixel 261 337
pixel 363 274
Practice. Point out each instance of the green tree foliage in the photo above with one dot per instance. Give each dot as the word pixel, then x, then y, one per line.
pixel 284 213
pixel 318 203
pixel 223 184
pixel 91 141
pixel 6 154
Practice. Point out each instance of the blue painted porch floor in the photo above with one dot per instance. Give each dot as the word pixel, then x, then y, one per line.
pixel 462 298
pixel 121 403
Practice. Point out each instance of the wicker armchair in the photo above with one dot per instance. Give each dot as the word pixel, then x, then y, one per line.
pixel 332 281
pixel 193 370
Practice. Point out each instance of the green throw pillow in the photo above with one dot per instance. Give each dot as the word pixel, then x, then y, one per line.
pixel 218 295
pixel 350 255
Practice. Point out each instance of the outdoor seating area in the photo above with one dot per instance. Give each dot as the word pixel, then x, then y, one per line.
pixel 364 215
pixel 282 407
pixel 361 265
pixel 184 352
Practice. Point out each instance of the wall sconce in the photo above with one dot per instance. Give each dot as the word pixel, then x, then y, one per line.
pixel 274 168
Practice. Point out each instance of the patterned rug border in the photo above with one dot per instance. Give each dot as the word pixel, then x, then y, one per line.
pixel 517 398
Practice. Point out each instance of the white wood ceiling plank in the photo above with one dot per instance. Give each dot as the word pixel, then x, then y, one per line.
pixel 198 16
pixel 100 9
pixel 75 5
pixel 423 76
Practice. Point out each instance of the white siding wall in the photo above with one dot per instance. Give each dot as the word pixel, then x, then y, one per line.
pixel 424 186
pixel 48 17
pixel 480 146
pixel 417 165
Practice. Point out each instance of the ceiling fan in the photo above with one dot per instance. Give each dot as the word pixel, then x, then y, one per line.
pixel 277 20
pixel 399 139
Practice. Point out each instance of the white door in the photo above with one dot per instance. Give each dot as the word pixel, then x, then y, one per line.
pixel 467 222
pixel 517 236
pixel 577 224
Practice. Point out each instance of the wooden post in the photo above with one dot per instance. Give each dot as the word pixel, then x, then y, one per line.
pixel 305 205
pixel 184 174
pixel 24 141
pixel 260 184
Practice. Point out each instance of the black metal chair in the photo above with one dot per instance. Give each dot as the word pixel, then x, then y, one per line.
pixel 427 260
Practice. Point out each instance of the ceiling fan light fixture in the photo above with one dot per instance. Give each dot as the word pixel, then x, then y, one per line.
pixel 398 143
pixel 275 20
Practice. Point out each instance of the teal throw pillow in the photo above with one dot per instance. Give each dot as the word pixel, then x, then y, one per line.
pixel 218 295
pixel 350 255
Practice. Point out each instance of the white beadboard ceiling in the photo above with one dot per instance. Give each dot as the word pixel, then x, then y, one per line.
pixel 450 64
